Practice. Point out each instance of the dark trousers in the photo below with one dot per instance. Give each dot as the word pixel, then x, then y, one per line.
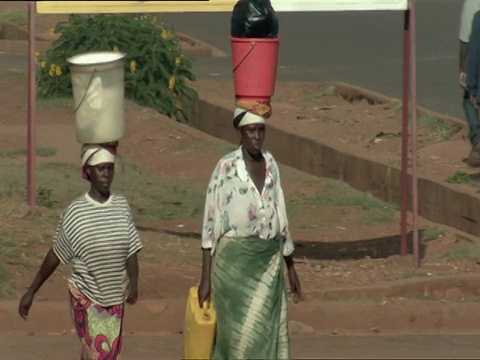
pixel 473 119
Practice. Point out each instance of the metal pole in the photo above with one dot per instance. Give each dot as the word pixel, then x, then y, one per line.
pixel 406 96
pixel 31 133
pixel 413 73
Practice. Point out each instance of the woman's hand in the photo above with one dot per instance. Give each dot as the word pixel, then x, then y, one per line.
pixel 463 79
pixel 132 273
pixel 25 304
pixel 295 287
pixel 474 101
pixel 132 294
pixel 49 264
pixel 204 292
pixel 205 287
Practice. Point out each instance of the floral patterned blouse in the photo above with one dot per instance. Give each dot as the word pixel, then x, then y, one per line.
pixel 235 208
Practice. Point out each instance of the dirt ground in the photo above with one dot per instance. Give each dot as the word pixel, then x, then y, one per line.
pixel 303 347
pixel 345 239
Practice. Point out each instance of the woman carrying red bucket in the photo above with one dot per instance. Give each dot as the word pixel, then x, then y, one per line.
pixel 246 245
pixel 255 43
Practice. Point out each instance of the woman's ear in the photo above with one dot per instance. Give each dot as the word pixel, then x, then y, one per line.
pixel 239 133
pixel 88 170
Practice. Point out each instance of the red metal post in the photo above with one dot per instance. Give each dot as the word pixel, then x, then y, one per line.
pixel 406 99
pixel 413 109
pixel 31 131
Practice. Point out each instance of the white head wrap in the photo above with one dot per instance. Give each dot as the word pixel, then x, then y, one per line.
pixel 248 118
pixel 97 155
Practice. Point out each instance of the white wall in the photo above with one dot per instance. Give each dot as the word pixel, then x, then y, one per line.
pixel 338 5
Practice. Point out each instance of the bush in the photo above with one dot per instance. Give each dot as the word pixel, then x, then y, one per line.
pixel 155 70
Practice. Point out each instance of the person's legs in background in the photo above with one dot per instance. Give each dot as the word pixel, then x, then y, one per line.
pixel 473 119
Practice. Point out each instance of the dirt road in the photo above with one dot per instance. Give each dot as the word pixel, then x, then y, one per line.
pixel 166 347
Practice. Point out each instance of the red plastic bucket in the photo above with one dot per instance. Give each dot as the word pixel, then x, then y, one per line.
pixel 255 67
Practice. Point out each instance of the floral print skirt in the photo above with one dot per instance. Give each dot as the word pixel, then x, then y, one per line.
pixel 99 328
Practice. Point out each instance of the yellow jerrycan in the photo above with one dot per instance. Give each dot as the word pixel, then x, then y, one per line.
pixel 199 330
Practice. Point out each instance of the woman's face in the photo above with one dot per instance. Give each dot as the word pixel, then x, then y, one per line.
pixel 252 137
pixel 101 177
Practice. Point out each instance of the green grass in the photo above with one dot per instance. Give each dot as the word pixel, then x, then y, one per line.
pixel 470 252
pixel 440 129
pixel 46 151
pixel 160 197
pixel 289 174
pixel 15 250
pixel 44 103
pixel 202 146
pixel 49 103
pixel 3 273
pixel 14 17
pixel 17 74
pixel 10 153
pixel 431 234
pixel 411 274
pixel 41 151
pixel 164 197
pixel 461 177
pixel 151 196
pixel 429 298
pixel 155 197
pixel 339 194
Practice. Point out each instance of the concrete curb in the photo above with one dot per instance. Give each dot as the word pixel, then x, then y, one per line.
pixel 451 286
pixel 381 98
pixel 198 48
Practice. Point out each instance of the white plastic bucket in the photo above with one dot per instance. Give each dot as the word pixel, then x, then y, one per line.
pixel 98 96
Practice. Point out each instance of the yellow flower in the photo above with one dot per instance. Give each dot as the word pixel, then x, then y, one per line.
pixel 58 70
pixel 116 49
pixel 154 21
pixel 171 83
pixel 133 66
pixel 53 70
pixel 52 32
pixel 166 34
pixel 178 61
pixel 43 64
pixel 37 54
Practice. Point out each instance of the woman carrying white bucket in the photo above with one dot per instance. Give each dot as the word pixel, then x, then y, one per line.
pixel 97 234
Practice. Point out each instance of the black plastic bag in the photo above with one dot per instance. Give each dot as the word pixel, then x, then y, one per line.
pixel 254 19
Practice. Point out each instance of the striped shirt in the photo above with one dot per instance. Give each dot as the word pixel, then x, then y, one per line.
pixel 98 238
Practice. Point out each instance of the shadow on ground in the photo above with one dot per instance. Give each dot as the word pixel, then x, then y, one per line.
pixel 377 248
